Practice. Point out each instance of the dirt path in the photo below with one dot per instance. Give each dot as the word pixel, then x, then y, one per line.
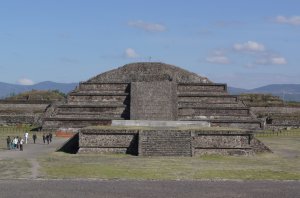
pixel 31 152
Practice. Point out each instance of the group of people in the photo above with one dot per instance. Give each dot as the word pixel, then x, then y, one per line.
pixel 47 138
pixel 17 142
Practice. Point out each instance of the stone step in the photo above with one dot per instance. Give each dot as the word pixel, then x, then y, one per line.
pixel 96 110
pixel 92 105
pixel 203 98
pixel 214 111
pixel 99 103
pixel 199 104
pixel 124 87
pixel 55 123
pixel 201 93
pixel 202 87
pixel 96 116
pixel 251 124
pixel 90 108
pixel 98 93
pixel 99 98
pixel 165 142
pixel 207 118
pixel 233 123
pixel 78 119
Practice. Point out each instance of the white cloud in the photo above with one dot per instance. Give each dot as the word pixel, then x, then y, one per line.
pixel 25 81
pixel 149 27
pixel 250 46
pixel 218 59
pixel 294 20
pixel 278 61
pixel 130 53
pixel 272 60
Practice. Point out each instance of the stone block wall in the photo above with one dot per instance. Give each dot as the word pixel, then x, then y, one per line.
pixel 153 101
pixel 221 143
pixel 14 112
pixel 168 142
pixel 106 140
pixel 165 143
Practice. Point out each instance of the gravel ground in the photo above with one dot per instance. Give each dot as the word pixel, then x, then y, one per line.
pixel 145 189
pixel 31 152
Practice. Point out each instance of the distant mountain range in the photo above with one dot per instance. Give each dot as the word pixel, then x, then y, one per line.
pixel 7 89
pixel 288 92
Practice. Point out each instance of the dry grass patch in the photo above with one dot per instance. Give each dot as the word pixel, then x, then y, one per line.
pixel 279 165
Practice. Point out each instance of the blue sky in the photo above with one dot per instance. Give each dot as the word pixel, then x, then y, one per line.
pixel 246 44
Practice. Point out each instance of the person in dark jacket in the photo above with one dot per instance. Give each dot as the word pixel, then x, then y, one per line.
pixel 34 138
pixel 8 141
pixel 47 138
pixel 44 138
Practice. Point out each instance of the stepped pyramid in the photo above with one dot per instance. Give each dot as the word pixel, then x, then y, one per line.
pixel 150 91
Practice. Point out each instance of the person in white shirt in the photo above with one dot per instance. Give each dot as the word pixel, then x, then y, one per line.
pixel 15 142
pixel 21 144
pixel 26 137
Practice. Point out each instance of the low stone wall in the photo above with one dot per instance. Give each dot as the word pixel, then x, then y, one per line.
pixel 108 140
pixel 221 142
pixel 167 142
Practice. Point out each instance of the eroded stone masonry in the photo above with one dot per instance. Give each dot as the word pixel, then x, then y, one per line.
pixel 148 92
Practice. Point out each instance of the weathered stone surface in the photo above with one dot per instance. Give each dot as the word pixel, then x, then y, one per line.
pixel 153 101
pixel 168 141
pixel 14 112
pixel 165 143
pixel 152 91
pixel 108 140
pixel 155 123
pixel 148 71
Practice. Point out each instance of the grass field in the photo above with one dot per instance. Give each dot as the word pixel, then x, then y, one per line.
pixel 283 164
pixel 12 169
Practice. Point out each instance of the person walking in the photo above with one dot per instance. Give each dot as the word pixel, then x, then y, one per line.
pixel 21 144
pixel 47 138
pixel 18 144
pixel 12 143
pixel 34 138
pixel 44 138
pixel 50 137
pixel 8 140
pixel 26 137
pixel 15 142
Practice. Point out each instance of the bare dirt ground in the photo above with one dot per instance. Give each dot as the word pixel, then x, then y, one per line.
pixel 29 155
